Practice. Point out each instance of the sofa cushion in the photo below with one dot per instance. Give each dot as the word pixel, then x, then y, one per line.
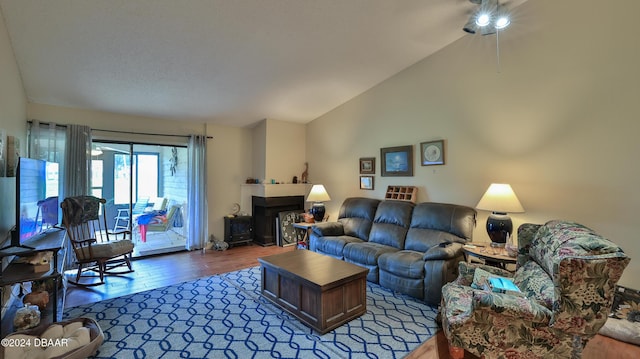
pixel 334 246
pixel 105 250
pixel 446 217
pixel 407 264
pixel 410 286
pixel 365 252
pixel 391 223
pixel 356 215
pixel 435 223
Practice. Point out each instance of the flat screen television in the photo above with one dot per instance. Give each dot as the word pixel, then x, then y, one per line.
pixel 37 205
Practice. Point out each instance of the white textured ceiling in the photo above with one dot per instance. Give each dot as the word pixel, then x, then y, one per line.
pixel 231 62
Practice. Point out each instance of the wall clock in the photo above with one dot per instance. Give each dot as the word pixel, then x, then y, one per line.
pixel 288 235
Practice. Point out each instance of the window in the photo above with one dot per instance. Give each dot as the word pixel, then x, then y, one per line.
pixel 97 167
pixel 145 176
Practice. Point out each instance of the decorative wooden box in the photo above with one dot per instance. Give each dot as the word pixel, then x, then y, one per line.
pixel 402 193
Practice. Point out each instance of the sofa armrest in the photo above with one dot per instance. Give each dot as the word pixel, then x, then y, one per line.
pixel 328 229
pixel 526 233
pixel 510 305
pixel 446 251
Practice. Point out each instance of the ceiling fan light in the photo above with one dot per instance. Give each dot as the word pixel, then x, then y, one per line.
pixel 502 22
pixel 483 19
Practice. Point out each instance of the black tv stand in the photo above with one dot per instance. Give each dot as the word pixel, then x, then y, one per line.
pixel 16 249
pixel 14 273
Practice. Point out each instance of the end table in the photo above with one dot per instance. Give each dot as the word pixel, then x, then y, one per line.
pixel 497 257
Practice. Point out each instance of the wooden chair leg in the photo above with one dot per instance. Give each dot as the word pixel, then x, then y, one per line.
pixel 456 352
pixel 102 267
pixel 79 274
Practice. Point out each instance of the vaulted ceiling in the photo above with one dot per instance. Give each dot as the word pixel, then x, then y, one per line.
pixel 230 62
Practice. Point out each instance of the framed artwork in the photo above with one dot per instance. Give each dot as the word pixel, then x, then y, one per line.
pixel 3 152
pixel 397 161
pixel 12 156
pixel 432 153
pixel 367 165
pixel 366 182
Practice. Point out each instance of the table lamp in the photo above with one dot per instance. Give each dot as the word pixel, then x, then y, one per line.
pixel 499 199
pixel 317 195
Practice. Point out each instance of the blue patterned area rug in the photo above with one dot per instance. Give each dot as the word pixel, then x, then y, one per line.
pixel 224 316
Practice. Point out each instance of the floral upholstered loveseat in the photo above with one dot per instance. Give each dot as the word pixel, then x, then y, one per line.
pixel 567 274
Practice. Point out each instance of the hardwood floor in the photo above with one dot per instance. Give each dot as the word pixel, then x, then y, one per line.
pixel 160 271
pixel 165 270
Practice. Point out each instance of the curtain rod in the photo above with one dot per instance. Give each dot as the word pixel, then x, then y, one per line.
pixel 127 132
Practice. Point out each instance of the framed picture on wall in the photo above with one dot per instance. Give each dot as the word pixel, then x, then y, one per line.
pixel 3 151
pixel 397 161
pixel 366 182
pixel 367 165
pixel 432 153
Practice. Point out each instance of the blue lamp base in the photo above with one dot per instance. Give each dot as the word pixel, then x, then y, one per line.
pixel 318 211
pixel 499 227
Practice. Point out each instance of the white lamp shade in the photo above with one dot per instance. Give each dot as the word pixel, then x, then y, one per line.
pixel 318 194
pixel 500 198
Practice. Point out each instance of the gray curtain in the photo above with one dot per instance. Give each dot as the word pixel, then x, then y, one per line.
pixel 71 149
pixel 77 171
pixel 197 207
pixel 47 142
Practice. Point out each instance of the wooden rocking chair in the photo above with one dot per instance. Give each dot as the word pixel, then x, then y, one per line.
pixel 96 249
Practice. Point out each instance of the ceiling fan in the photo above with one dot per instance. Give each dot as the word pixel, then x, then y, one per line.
pixel 98 150
pixel 488 18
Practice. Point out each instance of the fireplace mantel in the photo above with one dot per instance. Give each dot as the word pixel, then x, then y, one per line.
pixel 270 190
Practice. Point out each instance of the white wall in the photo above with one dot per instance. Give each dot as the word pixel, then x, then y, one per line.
pixel 279 150
pixel 559 122
pixel 13 101
pixel 13 107
pixel 285 149
pixel 259 158
pixel 229 164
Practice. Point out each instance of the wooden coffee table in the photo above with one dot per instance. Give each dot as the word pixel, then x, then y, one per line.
pixel 321 291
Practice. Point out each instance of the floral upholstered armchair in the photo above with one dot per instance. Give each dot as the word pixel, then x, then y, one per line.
pixel 567 274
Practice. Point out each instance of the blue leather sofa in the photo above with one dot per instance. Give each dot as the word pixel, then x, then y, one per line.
pixel 410 248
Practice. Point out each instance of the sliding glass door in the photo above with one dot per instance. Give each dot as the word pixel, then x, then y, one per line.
pixel 145 189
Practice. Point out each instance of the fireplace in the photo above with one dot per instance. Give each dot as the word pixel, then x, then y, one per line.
pixel 265 212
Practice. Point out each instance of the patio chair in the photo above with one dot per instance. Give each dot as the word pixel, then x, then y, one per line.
pixel 158 221
pixel 97 250
pixel 123 214
pixel 47 215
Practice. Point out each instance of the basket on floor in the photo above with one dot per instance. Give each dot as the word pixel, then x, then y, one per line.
pixel 32 337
